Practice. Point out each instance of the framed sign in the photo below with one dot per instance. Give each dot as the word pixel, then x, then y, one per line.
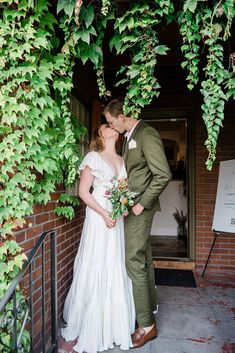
pixel 224 213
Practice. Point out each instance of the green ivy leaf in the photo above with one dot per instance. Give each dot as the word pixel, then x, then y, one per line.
pixel 133 71
pixel 85 36
pixel 115 42
pixel 88 15
pixel 67 5
pixel 190 5
pixel 161 49
pixel 6 339
pixel 19 260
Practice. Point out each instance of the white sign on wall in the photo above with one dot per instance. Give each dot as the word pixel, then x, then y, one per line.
pixel 224 213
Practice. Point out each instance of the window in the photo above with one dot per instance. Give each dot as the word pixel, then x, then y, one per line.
pixel 78 110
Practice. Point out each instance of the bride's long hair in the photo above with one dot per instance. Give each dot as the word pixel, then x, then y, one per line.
pixel 97 141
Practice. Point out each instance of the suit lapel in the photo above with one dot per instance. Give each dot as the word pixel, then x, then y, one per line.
pixel 125 146
pixel 125 149
pixel 136 129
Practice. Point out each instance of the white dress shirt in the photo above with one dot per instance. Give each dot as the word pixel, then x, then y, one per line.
pixel 128 133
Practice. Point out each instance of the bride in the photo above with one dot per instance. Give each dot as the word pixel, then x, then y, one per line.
pixel 99 308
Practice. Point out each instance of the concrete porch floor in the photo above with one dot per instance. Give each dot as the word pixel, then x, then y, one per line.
pixel 191 320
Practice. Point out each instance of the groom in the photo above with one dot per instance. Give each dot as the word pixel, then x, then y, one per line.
pixel 148 174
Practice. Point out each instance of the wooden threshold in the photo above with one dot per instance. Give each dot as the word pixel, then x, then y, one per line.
pixel 174 264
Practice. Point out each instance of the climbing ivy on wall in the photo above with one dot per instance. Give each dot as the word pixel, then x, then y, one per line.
pixel 38 141
pixel 204 27
pixel 38 147
pixel 38 136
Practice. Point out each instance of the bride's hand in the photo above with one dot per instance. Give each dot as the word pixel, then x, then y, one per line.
pixel 108 220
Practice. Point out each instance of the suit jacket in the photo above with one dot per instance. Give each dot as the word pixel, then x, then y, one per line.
pixel 147 168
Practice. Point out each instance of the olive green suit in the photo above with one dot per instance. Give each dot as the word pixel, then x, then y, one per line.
pixel 148 173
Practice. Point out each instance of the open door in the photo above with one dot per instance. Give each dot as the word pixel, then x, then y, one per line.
pixel 169 233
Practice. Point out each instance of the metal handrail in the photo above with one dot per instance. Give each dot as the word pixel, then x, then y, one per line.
pixel 11 292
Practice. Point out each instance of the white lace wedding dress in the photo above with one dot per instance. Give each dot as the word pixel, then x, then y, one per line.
pixel 99 309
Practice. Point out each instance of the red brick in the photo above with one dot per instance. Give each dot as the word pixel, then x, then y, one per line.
pixel 49 206
pixel 42 218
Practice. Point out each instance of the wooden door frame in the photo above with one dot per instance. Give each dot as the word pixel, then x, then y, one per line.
pixel 154 114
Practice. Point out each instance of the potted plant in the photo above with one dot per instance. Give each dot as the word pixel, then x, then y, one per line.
pixel 181 220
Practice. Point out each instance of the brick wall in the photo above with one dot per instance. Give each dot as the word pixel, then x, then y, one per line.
pixel 68 237
pixel 223 255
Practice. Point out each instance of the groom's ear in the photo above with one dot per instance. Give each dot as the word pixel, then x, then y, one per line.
pixel 122 116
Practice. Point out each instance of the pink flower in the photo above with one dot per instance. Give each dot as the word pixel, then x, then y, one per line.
pixel 107 192
pixel 125 214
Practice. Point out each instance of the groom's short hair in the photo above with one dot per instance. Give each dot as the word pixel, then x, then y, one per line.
pixel 115 107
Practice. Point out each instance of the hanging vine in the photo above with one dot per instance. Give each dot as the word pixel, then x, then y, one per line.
pixel 230 84
pixel 210 24
pixel 190 30
pixel 136 33
pixel 84 28
pixel 204 27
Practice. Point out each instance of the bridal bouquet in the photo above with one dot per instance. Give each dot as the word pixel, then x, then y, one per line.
pixel 120 196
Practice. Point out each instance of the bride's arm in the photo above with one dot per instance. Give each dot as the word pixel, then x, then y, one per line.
pixel 85 184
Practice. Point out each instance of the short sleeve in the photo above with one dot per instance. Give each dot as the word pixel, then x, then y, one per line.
pixel 92 161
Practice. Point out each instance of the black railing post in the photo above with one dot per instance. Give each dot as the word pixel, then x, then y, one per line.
pixel 15 321
pixel 54 323
pixel 43 299
pixel 31 306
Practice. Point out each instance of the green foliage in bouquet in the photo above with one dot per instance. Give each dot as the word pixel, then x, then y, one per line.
pixel 120 196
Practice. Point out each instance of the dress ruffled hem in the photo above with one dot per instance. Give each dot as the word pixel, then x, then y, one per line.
pixel 102 312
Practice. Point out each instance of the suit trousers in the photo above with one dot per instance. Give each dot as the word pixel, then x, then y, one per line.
pixel 139 265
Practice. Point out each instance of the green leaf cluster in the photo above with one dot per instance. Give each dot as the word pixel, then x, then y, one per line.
pixel 7 328
pixel 203 25
pixel 135 32
pixel 84 34
pixel 38 136
pixel 208 26
pixel 69 202
pixel 11 261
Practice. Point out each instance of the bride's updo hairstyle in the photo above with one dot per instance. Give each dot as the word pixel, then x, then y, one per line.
pixel 97 142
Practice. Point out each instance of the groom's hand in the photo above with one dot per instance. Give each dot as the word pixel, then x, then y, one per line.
pixel 137 209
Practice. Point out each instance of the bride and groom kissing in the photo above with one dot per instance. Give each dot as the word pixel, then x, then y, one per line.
pixel 112 297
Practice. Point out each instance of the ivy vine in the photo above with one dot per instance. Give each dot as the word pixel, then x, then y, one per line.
pixel 210 25
pixel 204 27
pixel 38 137
pixel 136 33
pixel 84 29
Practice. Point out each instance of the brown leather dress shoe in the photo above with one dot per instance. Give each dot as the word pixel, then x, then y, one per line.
pixel 140 337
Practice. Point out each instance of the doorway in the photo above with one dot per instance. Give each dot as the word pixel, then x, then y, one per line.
pixel 170 232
